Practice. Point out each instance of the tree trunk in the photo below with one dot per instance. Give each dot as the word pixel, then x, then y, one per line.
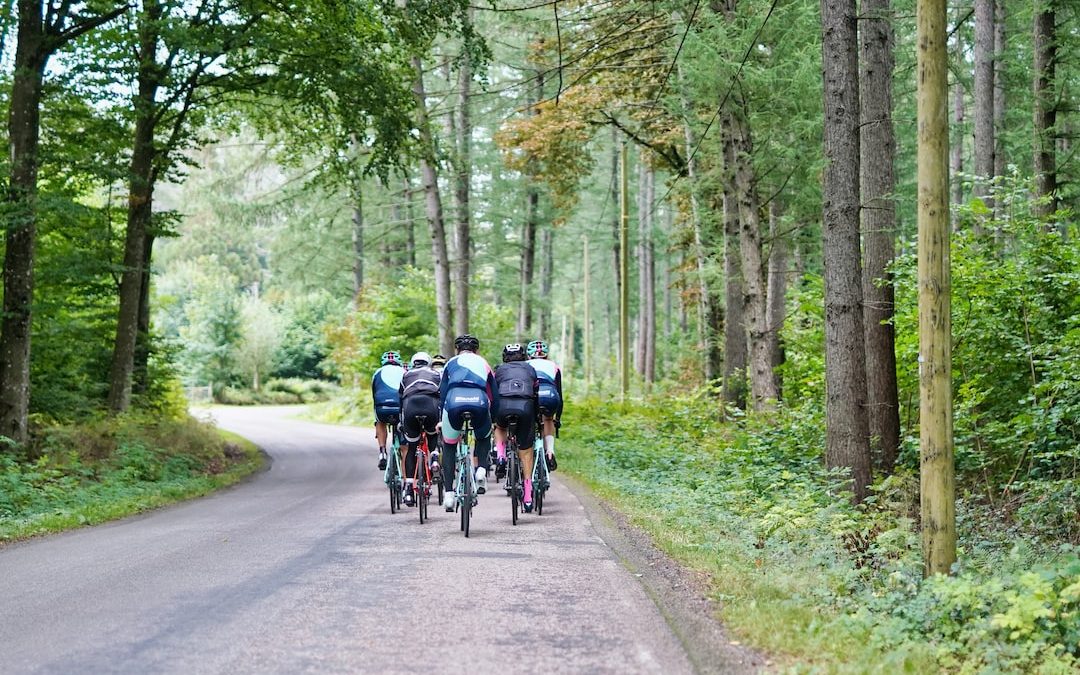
pixel 935 378
pixel 983 99
pixel 1045 164
pixel 703 309
pixel 776 293
pixel 957 163
pixel 616 195
pixel 762 383
pixel 358 240
pixel 547 270
pixel 528 238
pixel 877 183
pixel 140 372
pixel 845 355
pixel 650 275
pixel 410 222
pixel 734 328
pixel 642 263
pixel 433 206
pixel 140 211
pixel 999 88
pixel 528 259
pixel 462 182
pixel 24 129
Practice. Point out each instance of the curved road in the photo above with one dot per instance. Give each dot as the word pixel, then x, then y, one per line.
pixel 303 569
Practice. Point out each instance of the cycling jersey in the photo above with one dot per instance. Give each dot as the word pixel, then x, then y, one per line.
pixel 419 392
pixel 550 389
pixel 467 386
pixel 385 384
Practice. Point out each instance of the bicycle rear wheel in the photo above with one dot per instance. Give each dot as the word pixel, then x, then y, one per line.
pixel 394 483
pixel 421 498
pixel 540 484
pixel 513 474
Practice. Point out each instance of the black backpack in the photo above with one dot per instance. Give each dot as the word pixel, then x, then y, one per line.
pixel 516 380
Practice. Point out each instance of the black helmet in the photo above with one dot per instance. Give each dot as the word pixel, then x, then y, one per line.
pixel 513 352
pixel 438 360
pixel 467 342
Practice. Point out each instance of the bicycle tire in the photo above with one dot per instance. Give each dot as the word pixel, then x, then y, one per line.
pixel 421 499
pixel 392 483
pixel 538 487
pixel 466 507
pixel 513 473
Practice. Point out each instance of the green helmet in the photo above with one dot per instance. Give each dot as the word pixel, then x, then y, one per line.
pixel 391 358
pixel 537 349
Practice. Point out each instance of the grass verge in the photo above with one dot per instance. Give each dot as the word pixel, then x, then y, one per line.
pixel 87 474
pixel 802 574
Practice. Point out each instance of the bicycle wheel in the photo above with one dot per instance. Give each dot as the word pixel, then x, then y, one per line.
pixel 421 498
pixel 466 504
pixel 394 484
pixel 513 474
pixel 540 484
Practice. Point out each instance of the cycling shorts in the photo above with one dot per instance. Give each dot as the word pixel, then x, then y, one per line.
pixel 550 403
pixel 462 400
pixel 419 405
pixel 387 414
pixel 525 411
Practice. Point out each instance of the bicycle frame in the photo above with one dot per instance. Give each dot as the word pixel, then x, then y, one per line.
pixel 465 489
pixel 422 474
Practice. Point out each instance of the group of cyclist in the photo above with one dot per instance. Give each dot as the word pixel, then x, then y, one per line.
pixel 431 394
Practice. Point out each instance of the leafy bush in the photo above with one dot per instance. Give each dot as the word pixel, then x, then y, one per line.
pixel 800 569
pixel 107 468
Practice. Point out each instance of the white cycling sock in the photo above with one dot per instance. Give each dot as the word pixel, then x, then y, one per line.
pixel 549 445
pixel 481 473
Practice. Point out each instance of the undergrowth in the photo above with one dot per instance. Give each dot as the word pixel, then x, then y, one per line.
pixel 803 574
pixel 74 475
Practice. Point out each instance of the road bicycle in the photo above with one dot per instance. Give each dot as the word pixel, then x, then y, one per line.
pixel 394 476
pixel 465 496
pixel 514 482
pixel 422 479
pixel 540 476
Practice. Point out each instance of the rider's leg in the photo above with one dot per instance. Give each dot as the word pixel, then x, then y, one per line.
pixel 549 436
pixel 450 441
pixel 380 435
pixel 528 459
pixel 500 443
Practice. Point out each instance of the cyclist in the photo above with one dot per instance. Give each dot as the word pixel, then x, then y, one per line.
pixel 518 388
pixel 550 396
pixel 384 392
pixel 419 392
pixel 467 386
pixel 438 362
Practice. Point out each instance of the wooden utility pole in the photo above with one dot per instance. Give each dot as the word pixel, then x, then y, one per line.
pixel 624 295
pixel 588 318
pixel 935 326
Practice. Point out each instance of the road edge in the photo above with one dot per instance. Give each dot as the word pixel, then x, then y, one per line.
pixel 680 595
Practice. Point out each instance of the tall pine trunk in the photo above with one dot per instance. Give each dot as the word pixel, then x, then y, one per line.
pixel 433 207
pixel 650 275
pixel 877 182
pixel 763 391
pixel 983 98
pixel 410 222
pixel 357 239
pixel 847 444
pixel 776 292
pixel 547 269
pixel 1045 163
pixel 642 262
pixel 24 131
pixel 140 376
pixel 734 328
pixel 956 163
pixel 140 209
pixel 937 486
pixel 463 178
pixel 999 88
pixel 528 235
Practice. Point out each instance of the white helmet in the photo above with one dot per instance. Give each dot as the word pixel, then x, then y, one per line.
pixel 420 359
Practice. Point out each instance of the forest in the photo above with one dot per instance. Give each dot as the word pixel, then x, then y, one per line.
pixel 715 211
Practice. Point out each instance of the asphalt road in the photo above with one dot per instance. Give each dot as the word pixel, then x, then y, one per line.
pixel 304 569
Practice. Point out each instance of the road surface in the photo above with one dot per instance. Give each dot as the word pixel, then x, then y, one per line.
pixel 304 569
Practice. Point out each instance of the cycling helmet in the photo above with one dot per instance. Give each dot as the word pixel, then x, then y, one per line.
pixel 513 352
pixel 420 359
pixel 438 360
pixel 538 349
pixel 391 357
pixel 467 342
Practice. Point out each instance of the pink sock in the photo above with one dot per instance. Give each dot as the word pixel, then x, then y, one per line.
pixel 528 490
pixel 500 450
